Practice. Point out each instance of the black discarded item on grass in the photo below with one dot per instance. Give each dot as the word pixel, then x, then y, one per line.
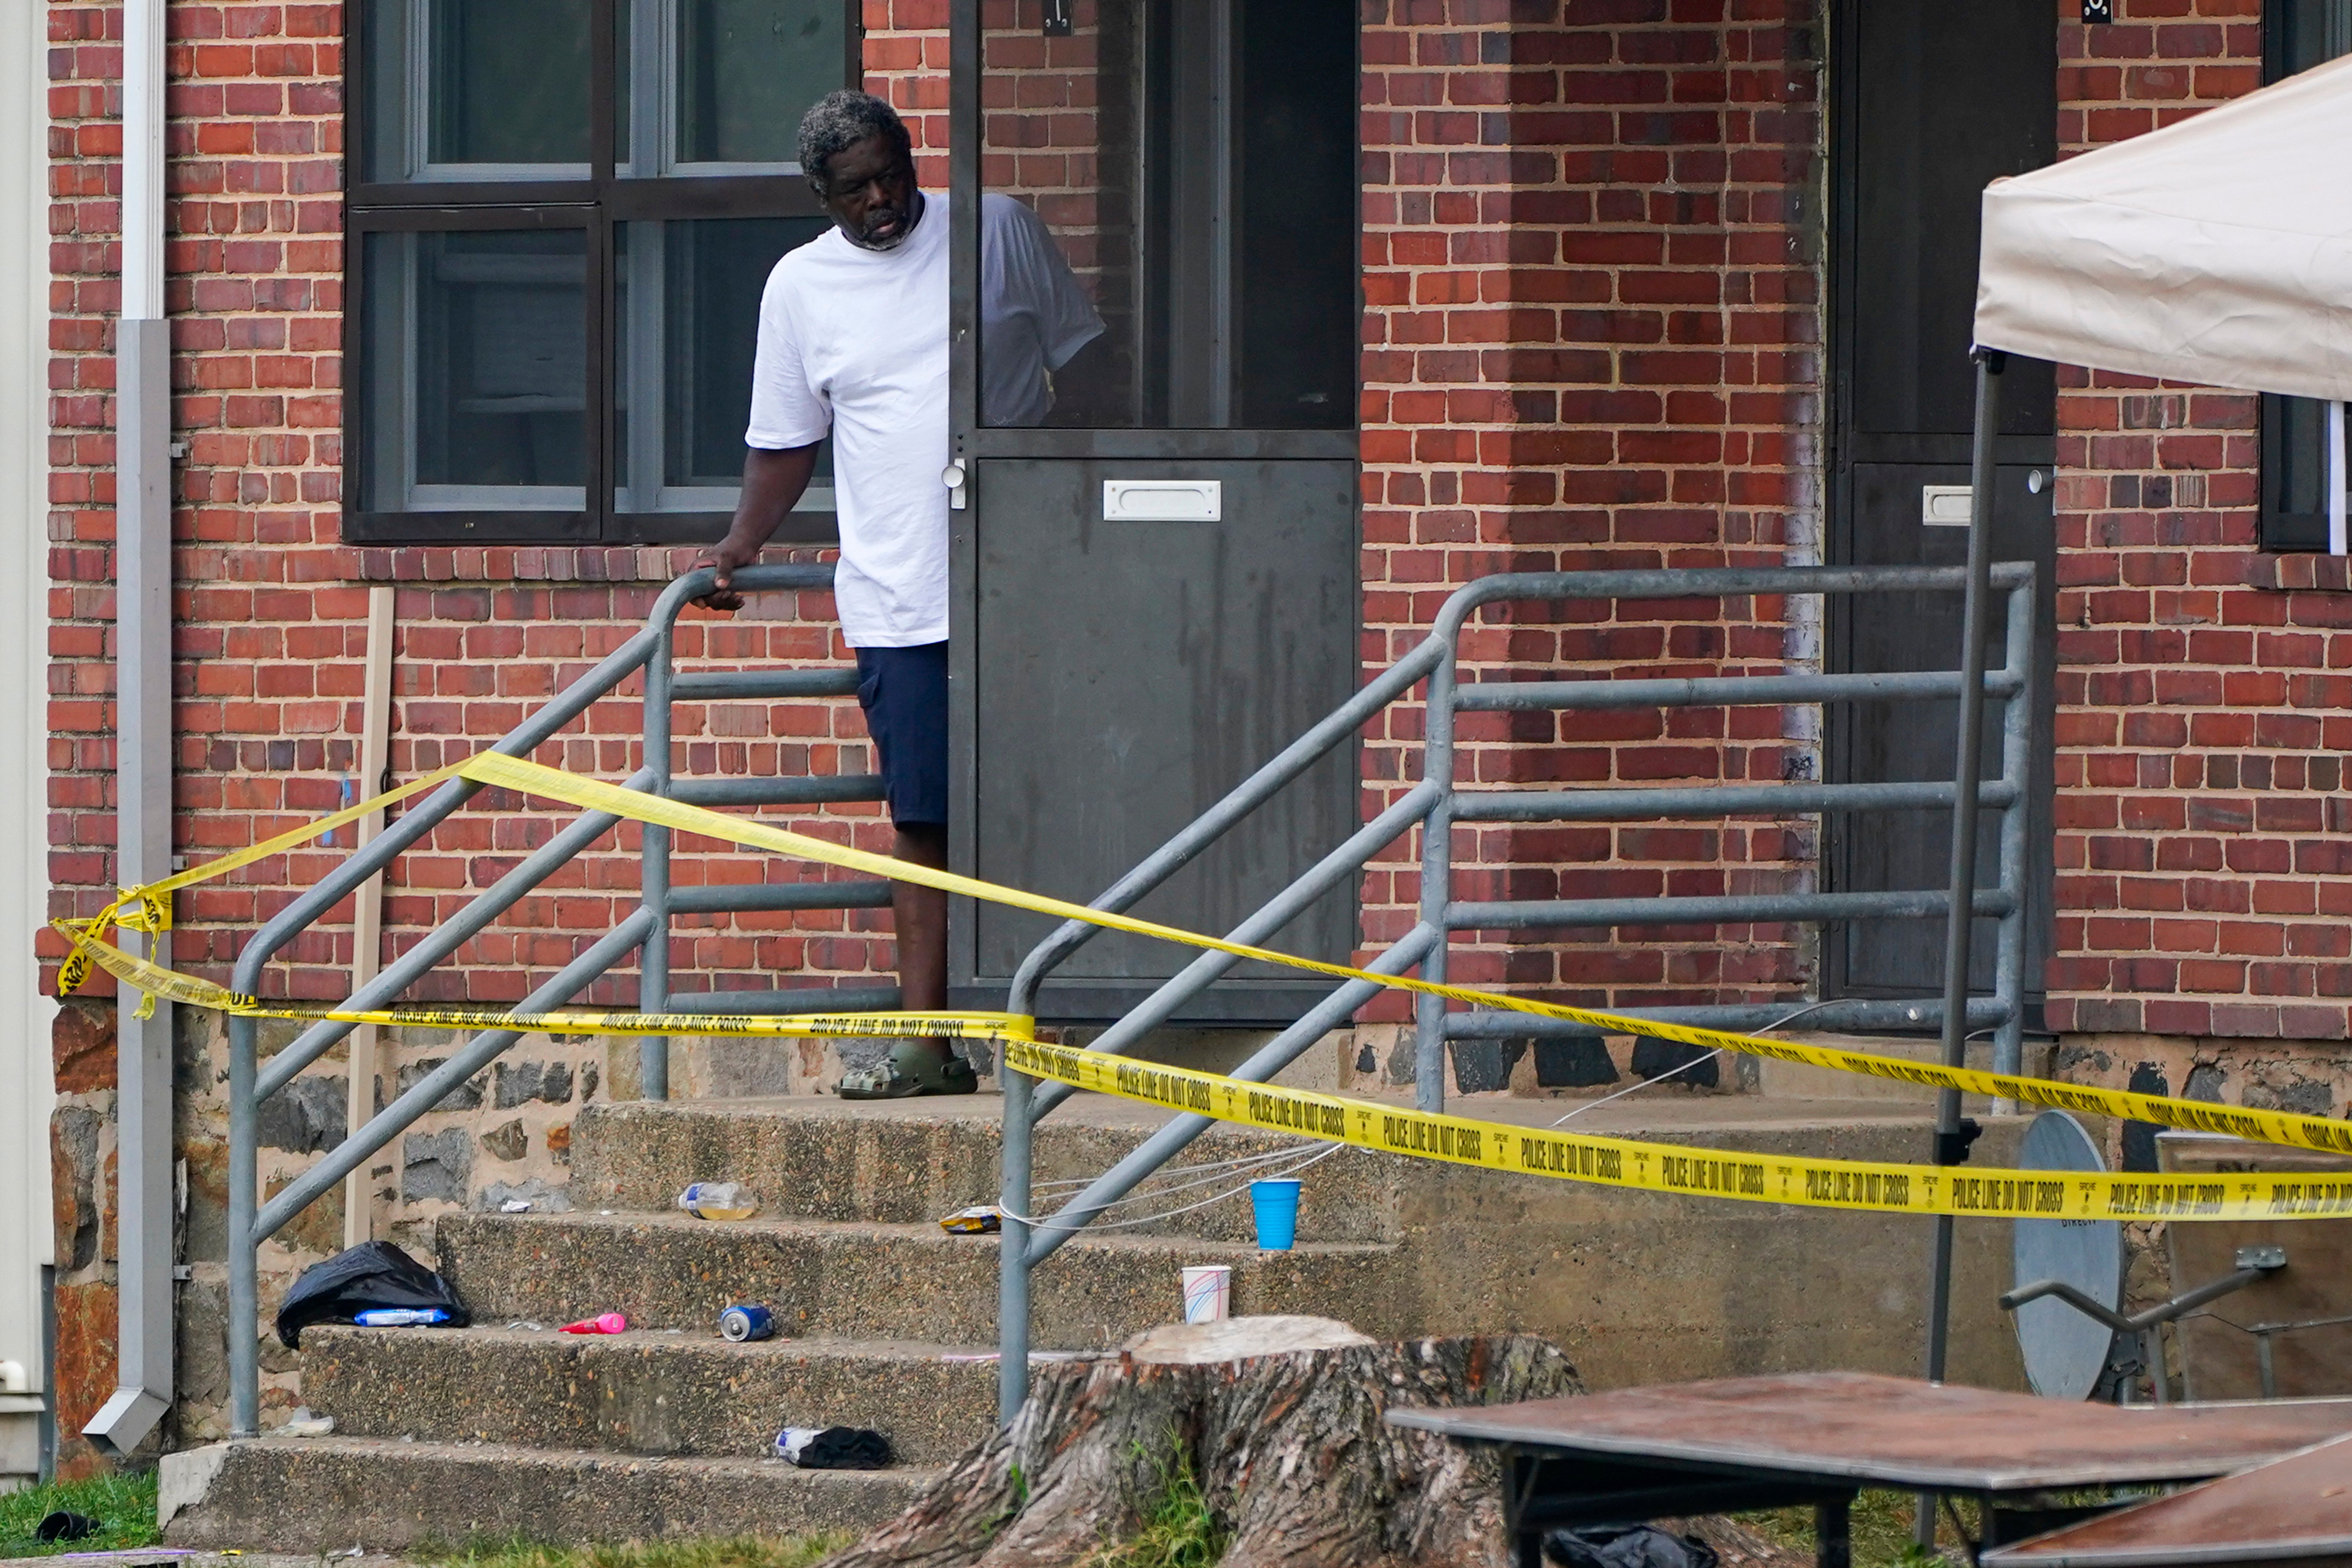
pixel 1626 1546
pixel 833 1447
pixel 375 1274
pixel 64 1526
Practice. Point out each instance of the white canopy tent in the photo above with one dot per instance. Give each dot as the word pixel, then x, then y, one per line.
pixel 2218 252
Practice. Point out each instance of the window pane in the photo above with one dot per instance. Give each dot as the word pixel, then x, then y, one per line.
pixel 2311 32
pixel 1193 168
pixel 475 370
pixel 739 75
pixel 748 70
pixel 470 89
pixel 689 302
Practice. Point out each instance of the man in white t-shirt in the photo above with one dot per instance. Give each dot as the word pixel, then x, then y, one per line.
pixel 853 342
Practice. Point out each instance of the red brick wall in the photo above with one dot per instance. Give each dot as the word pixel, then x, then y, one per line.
pixel 272 606
pixel 2204 871
pixel 1592 341
pixel 907 64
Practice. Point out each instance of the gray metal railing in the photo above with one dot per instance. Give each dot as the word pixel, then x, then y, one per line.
pixel 644 932
pixel 1435 804
pixel 1438 802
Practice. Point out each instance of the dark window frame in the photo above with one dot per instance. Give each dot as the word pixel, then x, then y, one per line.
pixel 598 205
pixel 2284 530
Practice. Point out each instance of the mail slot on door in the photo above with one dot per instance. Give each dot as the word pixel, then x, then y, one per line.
pixel 1946 506
pixel 1163 500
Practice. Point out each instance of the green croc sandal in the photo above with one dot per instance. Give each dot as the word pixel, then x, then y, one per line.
pixel 911 1069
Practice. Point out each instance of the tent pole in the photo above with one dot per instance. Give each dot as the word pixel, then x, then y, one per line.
pixel 1951 1137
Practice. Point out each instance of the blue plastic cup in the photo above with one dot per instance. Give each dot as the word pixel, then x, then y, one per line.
pixel 1275 1203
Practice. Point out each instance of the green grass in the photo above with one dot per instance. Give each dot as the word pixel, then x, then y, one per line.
pixel 693 1552
pixel 1880 1526
pixel 124 1504
pixel 1178 1530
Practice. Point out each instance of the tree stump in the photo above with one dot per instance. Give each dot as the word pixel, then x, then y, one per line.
pixel 1276 1421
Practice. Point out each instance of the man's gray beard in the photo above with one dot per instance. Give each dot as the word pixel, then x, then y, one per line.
pixel 915 212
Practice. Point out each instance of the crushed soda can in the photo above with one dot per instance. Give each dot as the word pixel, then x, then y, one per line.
pixel 738 1326
pixel 980 1219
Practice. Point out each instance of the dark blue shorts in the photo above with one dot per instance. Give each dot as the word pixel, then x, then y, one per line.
pixel 904 692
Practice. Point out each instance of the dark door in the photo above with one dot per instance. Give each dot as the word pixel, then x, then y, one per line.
pixel 1932 101
pixel 1156 561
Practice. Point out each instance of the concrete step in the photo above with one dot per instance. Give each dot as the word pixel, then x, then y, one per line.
pixel 875 1282
pixel 639 1393
pixel 910 1161
pixel 325 1494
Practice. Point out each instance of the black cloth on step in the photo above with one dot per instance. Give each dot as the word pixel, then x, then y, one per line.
pixel 360 1278
pixel 834 1448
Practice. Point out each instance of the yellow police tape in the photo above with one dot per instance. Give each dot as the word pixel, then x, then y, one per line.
pixel 1840 1184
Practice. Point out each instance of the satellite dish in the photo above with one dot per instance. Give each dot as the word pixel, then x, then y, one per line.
pixel 2066 1352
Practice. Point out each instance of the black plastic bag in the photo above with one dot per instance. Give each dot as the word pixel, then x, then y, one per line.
pixel 1626 1546
pixel 357 1279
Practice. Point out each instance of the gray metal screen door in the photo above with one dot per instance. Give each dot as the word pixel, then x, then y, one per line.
pixel 1932 102
pixel 1155 554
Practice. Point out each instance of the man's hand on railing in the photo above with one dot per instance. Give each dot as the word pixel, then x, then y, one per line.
pixel 773 484
pixel 727 557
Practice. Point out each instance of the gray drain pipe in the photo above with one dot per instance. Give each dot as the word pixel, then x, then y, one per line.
pixel 142 759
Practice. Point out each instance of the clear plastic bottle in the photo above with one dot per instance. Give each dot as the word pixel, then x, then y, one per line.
pixel 720 1200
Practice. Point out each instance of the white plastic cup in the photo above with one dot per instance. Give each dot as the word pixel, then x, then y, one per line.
pixel 1208 1293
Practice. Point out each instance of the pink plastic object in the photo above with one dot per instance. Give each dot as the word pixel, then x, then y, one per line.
pixel 609 1323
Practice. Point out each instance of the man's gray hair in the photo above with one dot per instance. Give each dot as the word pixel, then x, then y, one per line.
pixel 840 120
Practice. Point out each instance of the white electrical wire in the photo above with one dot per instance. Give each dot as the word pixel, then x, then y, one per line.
pixel 1327 1151
pixel 1685 1067
pixel 1265 1156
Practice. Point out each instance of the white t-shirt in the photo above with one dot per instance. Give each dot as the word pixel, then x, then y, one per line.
pixel 854 342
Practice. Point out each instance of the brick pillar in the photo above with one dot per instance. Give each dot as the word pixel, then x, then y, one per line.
pixel 1591 340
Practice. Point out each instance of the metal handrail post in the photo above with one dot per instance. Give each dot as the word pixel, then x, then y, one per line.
pixel 1014 1198
pixel 1436 878
pixel 653 877
pixel 2016 771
